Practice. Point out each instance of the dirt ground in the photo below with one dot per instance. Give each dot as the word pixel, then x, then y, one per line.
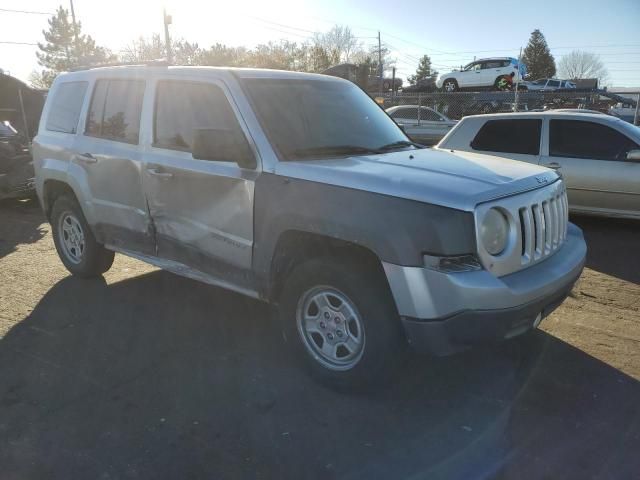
pixel 148 375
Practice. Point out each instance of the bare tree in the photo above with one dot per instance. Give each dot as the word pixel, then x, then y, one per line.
pixel 339 42
pixel 580 64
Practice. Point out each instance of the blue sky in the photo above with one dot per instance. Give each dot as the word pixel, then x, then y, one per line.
pixel 451 32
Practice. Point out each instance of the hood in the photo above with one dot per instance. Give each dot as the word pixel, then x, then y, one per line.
pixel 459 180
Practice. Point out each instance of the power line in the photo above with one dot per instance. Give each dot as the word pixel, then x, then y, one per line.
pixel 17 43
pixel 29 12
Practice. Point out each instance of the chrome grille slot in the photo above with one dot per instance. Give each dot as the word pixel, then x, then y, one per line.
pixel 543 227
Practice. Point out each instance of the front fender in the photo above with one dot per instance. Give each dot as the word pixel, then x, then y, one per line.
pixel 397 230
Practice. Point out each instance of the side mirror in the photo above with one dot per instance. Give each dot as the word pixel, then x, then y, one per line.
pixel 223 145
pixel 633 155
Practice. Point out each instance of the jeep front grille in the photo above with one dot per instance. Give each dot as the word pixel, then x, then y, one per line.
pixel 543 227
pixel 538 221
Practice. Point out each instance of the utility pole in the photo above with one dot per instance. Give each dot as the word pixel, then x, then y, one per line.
pixel 75 31
pixel 636 117
pixel 515 105
pixel 380 63
pixel 167 40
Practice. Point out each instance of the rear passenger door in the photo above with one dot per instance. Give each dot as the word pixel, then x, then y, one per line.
pixel 516 139
pixel 109 156
pixel 592 159
pixel 202 209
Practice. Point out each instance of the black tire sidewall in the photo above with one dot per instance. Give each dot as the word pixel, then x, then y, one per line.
pixel 384 340
pixel 96 259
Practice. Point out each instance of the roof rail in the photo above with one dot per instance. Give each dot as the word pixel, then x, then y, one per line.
pixel 147 63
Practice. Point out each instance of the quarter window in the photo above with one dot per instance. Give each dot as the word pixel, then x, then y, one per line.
pixel 115 110
pixel 65 107
pixel 588 140
pixel 509 136
pixel 412 114
pixel 182 108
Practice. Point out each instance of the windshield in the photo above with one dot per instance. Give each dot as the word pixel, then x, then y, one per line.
pixel 306 119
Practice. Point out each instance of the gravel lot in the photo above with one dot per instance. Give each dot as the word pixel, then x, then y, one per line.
pixel 148 375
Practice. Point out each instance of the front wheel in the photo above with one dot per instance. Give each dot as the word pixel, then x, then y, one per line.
pixel 341 321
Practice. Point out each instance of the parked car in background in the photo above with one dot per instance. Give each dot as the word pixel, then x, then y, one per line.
pixel 483 73
pixel 546 85
pixel 16 165
pixel 598 155
pixel 422 124
pixel 297 189
pixel 624 111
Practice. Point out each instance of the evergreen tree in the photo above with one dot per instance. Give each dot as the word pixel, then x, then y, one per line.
pixel 424 71
pixel 61 52
pixel 537 57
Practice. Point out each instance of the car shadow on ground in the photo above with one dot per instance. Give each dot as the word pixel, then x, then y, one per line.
pixel 613 245
pixel 20 222
pixel 161 377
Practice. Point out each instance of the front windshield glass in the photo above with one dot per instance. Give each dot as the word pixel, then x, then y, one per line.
pixel 307 119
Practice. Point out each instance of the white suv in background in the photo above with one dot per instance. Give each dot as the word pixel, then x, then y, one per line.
pixel 485 72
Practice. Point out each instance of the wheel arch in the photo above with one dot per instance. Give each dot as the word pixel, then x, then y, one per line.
pixel 51 190
pixel 296 246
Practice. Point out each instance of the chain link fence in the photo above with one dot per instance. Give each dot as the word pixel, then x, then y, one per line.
pixel 459 104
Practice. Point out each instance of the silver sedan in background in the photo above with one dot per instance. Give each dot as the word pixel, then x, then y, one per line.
pixel 422 124
pixel 598 155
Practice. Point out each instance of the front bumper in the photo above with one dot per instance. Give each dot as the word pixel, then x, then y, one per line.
pixel 443 313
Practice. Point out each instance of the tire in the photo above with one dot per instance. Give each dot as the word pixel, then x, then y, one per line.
pixel 78 249
pixel 350 311
pixel 450 85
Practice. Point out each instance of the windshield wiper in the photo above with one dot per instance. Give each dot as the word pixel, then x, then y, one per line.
pixel 399 144
pixel 333 150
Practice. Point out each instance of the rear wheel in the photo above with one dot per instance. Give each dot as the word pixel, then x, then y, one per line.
pixel 78 249
pixel 450 85
pixel 340 319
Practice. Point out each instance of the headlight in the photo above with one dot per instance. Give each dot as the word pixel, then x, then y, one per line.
pixel 494 232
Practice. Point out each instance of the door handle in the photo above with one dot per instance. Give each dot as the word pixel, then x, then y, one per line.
pixel 554 165
pixel 156 172
pixel 86 158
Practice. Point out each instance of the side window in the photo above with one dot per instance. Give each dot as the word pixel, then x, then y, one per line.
pixel 491 64
pixel 406 113
pixel 182 107
pixel 115 110
pixel 588 140
pixel 65 107
pixel 429 115
pixel 553 83
pixel 509 136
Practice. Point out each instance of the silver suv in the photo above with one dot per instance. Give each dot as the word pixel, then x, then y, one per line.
pixel 298 190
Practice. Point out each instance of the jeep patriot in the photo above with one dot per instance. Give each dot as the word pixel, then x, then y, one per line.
pixel 297 189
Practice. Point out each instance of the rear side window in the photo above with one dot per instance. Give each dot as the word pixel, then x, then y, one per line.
pixel 115 110
pixel 509 136
pixel 588 140
pixel 182 107
pixel 412 114
pixel 65 107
